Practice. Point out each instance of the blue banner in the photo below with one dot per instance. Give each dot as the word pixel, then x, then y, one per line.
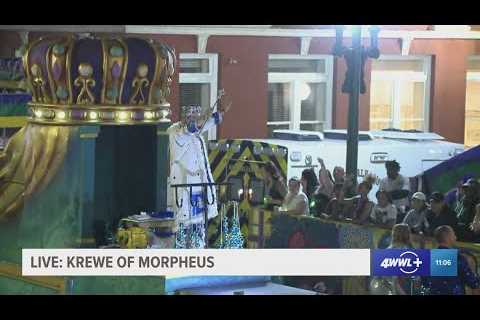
pixel 409 262
pixel 400 262
pixel 443 262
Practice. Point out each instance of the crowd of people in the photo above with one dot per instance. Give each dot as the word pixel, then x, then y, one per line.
pixel 336 196
pixel 444 217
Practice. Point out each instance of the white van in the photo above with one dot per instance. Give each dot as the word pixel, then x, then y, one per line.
pixel 415 151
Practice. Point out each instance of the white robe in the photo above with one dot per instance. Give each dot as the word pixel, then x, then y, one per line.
pixel 189 164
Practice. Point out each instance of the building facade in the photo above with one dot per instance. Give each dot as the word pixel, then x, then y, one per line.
pixel 287 77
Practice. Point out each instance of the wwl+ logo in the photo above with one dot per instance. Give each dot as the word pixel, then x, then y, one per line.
pixel 397 262
pixel 406 264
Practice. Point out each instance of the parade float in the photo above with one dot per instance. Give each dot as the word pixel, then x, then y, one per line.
pixel 96 117
pixel 90 167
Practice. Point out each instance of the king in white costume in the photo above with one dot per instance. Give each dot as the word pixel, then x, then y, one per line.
pixel 189 165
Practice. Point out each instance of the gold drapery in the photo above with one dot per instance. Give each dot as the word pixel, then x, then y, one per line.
pixel 29 162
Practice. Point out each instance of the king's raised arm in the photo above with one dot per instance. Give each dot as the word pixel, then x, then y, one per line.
pixel 213 118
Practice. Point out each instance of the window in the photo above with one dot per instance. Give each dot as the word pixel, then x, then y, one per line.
pixel 198 82
pixel 400 93
pixel 299 92
pixel 472 103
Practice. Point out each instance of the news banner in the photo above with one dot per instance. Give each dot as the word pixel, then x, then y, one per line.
pixel 235 262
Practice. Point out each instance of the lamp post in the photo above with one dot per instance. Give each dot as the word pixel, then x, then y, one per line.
pixel 354 84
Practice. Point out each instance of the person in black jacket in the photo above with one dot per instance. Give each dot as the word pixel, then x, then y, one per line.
pixel 310 183
pixel 439 214
pixel 465 209
pixel 275 186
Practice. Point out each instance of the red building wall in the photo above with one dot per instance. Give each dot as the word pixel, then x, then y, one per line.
pixel 448 90
pixel 449 87
pixel 247 83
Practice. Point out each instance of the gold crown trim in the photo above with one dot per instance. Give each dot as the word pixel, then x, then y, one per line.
pixel 52 84
pixel 124 74
pixel 108 62
pixel 99 106
pixel 156 71
pixel 105 67
pixel 68 60
pixel 84 114
pixel 28 73
pixel 49 74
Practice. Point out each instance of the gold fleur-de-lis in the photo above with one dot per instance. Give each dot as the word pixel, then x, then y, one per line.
pixel 139 83
pixel 85 82
pixel 39 90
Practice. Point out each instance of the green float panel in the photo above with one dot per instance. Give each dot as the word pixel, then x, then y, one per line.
pixel 162 166
pixel 125 173
pixel 14 286
pixel 116 285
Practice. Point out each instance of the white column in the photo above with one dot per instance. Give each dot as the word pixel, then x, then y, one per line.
pixel 295 105
pixel 396 104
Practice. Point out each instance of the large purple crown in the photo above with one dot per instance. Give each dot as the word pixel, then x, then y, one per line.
pixel 98 80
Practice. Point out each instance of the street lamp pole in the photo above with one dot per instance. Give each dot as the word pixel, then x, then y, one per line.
pixel 354 85
pixel 352 131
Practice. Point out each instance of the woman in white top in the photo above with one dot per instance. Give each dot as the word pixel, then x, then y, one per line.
pixel 384 213
pixel 296 202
